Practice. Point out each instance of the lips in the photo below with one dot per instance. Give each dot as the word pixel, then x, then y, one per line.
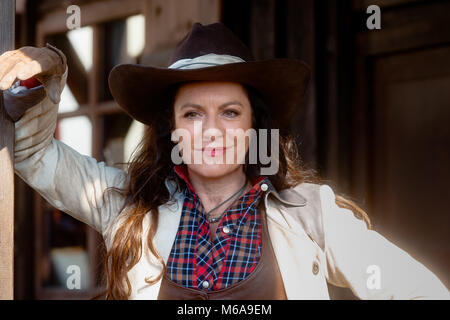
pixel 213 152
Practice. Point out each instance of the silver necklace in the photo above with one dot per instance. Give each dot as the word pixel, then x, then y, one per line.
pixel 216 219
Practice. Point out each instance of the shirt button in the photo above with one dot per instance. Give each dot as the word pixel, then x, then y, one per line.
pixel 226 230
pixel 315 268
pixel 264 187
pixel 205 284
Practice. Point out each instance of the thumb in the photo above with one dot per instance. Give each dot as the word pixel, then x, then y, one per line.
pixel 52 86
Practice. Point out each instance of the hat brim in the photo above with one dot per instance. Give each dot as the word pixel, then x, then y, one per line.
pixel 140 90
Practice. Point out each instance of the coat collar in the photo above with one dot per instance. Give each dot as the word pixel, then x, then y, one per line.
pixel 285 197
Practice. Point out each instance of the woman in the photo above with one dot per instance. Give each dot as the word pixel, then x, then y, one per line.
pixel 222 227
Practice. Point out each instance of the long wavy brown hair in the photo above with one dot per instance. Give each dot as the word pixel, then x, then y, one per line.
pixel 151 165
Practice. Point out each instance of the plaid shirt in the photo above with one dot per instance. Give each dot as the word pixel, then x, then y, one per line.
pixel 228 258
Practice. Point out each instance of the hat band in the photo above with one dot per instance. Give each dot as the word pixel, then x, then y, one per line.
pixel 206 60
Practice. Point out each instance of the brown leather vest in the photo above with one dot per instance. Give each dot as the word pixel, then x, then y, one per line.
pixel 264 283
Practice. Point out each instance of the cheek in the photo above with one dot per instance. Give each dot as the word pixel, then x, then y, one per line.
pixel 239 137
pixel 183 133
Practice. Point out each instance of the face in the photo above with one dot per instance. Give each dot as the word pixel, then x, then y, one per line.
pixel 213 119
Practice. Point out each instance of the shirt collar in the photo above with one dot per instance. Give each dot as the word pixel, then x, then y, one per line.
pixel 182 172
pixel 289 197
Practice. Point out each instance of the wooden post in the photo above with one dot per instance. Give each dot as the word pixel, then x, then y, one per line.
pixel 7 12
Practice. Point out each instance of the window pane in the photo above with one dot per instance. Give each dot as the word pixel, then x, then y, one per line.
pixel 65 251
pixel 124 43
pixel 68 102
pixel 71 269
pixel 76 132
pixel 135 35
pixel 122 135
pixel 132 139
pixel 81 40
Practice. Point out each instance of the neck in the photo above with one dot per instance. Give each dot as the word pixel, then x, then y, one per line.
pixel 213 191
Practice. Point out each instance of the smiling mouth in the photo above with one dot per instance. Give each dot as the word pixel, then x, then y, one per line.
pixel 213 152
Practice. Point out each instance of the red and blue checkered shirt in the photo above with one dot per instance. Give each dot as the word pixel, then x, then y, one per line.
pixel 224 260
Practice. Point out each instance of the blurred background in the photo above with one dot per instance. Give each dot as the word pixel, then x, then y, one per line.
pixel 374 123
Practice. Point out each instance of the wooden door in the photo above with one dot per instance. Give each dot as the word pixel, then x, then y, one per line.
pixel 411 153
pixel 400 127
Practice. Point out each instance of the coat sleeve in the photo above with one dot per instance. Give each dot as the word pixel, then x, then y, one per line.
pixel 71 182
pixel 367 263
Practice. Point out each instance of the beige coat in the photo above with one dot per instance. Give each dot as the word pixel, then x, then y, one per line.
pixel 315 241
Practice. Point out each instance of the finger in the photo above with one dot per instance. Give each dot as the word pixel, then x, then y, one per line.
pixel 9 59
pixel 7 65
pixel 7 68
pixel 35 59
pixel 6 55
pixel 29 70
pixel 24 53
pixel 9 78
pixel 52 86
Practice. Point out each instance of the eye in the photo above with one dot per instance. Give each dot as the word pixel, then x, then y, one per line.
pixel 231 113
pixel 191 114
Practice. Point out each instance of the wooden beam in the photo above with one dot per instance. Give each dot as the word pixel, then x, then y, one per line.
pixel 413 27
pixel 361 5
pixel 91 13
pixel 7 12
pixel 168 21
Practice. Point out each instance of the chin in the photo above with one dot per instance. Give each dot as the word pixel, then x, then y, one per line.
pixel 213 170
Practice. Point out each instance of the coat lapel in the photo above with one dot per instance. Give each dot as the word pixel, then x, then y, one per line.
pixel 169 220
pixel 288 220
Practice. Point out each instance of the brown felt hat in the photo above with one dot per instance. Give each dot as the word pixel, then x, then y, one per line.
pixel 210 53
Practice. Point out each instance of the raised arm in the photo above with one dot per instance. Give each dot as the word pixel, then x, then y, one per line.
pixel 72 182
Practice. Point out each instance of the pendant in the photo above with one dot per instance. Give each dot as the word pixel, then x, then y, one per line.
pixel 213 220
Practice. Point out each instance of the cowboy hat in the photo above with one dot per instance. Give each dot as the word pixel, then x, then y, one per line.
pixel 210 53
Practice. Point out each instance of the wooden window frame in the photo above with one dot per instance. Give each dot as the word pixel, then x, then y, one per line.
pixel 93 15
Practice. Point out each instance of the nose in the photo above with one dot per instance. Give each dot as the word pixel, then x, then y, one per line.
pixel 212 129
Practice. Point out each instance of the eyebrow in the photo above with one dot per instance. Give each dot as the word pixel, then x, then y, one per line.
pixel 222 106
